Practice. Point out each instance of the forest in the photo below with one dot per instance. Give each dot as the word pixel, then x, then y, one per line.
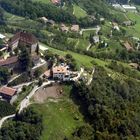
pixel 110 108
pixel 26 126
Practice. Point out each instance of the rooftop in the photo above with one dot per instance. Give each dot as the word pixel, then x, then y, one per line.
pixel 8 61
pixel 75 28
pixel 56 1
pixel 60 69
pixel 2 36
pixel 128 46
pixel 64 27
pixel 47 73
pixel 129 7
pixel 24 37
pixel 7 91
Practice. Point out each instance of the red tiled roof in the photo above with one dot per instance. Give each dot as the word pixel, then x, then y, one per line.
pixel 7 91
pixel 8 61
pixel 59 69
pixel 24 37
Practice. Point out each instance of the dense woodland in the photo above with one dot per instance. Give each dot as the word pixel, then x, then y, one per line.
pixel 35 10
pixel 26 126
pixel 110 107
pixel 6 109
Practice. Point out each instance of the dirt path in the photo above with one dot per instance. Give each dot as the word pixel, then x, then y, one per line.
pixel 51 92
pixel 88 47
pixel 90 79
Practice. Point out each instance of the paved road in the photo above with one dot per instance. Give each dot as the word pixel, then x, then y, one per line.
pixel 88 47
pixel 90 79
pixel 5 118
pixel 43 62
pixel 79 75
pixel 97 29
pixel 12 79
pixel 19 87
pixel 25 102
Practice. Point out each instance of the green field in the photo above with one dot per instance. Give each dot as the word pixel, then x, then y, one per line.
pixel 133 30
pixel 82 60
pixel 59 117
pixel 79 12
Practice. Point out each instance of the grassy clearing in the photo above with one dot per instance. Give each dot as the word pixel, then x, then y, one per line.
pixel 59 117
pixel 134 30
pixel 86 34
pixel 79 12
pixel 82 60
pixel 83 44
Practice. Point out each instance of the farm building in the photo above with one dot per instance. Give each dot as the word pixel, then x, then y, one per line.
pixel 6 93
pixel 61 73
pixel 11 62
pixel 24 39
pixel 75 28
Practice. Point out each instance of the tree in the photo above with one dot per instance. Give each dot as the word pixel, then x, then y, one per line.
pixel 24 59
pixel 40 82
pixel 4 75
pixel 37 50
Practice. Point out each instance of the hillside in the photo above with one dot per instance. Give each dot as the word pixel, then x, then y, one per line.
pixel 90 43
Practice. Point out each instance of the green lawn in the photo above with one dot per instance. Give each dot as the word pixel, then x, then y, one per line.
pixel 83 44
pixel 58 117
pixel 82 60
pixel 86 34
pixel 79 12
pixel 133 30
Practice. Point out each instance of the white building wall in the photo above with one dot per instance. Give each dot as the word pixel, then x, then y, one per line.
pixel 33 47
pixel 61 76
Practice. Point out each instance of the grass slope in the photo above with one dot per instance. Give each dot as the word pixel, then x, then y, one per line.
pixel 58 117
pixel 78 11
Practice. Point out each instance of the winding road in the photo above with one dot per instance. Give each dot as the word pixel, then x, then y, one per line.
pixel 97 29
pixel 25 102
pixel 6 118
pixel 79 75
pixel 91 78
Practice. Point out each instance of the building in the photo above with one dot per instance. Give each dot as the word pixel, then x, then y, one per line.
pixel 44 19
pixel 128 46
pixel 129 7
pixel 61 73
pixel 75 28
pixel 2 36
pixel 127 23
pixel 64 28
pixel 6 93
pixel 35 59
pixel 24 39
pixel 119 7
pixel 56 1
pixel 51 22
pixel 47 74
pixel 115 26
pixel 11 62
pixel 96 39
